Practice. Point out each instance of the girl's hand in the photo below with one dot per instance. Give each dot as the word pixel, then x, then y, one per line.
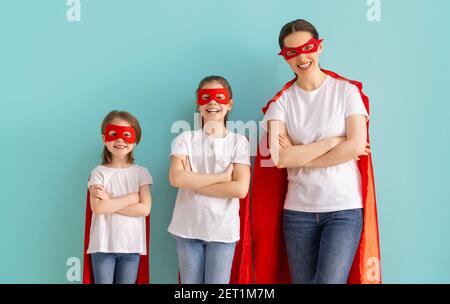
pixel 186 164
pixel 228 174
pixel 135 198
pixel 93 189
pixel 366 152
pixel 284 141
pixel 99 192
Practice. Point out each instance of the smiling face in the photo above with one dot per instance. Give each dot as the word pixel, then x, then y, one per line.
pixel 305 63
pixel 118 146
pixel 213 110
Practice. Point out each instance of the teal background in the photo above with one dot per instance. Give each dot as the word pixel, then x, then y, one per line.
pixel 59 79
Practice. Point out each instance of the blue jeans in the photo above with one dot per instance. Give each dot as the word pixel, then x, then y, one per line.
pixel 321 246
pixel 204 262
pixel 117 268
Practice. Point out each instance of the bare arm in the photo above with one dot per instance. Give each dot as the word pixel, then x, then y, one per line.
pixel 353 147
pixel 295 156
pixel 237 187
pixel 179 177
pixel 102 204
pixel 142 208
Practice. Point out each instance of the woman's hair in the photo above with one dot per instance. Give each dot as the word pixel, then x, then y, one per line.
pixel 218 79
pixel 134 123
pixel 298 25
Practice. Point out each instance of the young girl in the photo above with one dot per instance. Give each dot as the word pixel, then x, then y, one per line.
pixel 120 201
pixel 211 168
pixel 317 130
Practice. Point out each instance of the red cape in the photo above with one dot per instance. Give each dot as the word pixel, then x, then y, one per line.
pixel 143 276
pixel 268 194
pixel 241 270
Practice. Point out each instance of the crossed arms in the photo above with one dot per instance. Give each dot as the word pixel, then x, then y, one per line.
pixel 321 154
pixel 132 204
pixel 233 183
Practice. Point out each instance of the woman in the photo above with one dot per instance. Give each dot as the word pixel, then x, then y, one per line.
pixel 317 130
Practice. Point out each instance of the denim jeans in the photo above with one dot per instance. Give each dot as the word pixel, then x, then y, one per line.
pixel 204 262
pixel 117 268
pixel 321 246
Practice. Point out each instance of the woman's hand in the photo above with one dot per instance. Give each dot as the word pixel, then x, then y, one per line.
pixel 228 174
pixel 284 141
pixel 366 152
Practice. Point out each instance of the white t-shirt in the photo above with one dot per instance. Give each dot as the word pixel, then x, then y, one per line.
pixel 311 116
pixel 116 233
pixel 197 216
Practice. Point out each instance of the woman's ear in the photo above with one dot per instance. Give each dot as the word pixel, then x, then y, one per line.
pixel 230 104
pixel 320 48
pixel 103 139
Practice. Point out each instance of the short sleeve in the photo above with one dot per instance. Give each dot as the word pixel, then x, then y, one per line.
pixel 144 177
pixel 179 145
pixel 96 178
pixel 242 151
pixel 276 111
pixel 354 104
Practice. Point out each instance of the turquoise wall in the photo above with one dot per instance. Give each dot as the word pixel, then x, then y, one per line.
pixel 58 79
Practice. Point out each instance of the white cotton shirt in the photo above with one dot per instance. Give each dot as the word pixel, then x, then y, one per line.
pixel 197 216
pixel 311 116
pixel 116 233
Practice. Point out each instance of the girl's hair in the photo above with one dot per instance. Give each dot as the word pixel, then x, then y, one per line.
pixel 298 25
pixel 220 80
pixel 134 123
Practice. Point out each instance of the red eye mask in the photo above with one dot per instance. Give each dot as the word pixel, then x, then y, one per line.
pixel 221 95
pixel 114 132
pixel 309 47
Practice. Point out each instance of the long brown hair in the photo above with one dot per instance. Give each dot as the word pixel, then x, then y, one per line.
pixel 220 80
pixel 298 25
pixel 134 123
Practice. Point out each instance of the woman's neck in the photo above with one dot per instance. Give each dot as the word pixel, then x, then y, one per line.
pixel 119 162
pixel 312 81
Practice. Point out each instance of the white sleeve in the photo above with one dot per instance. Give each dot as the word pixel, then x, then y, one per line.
pixel 179 145
pixel 96 178
pixel 354 104
pixel 276 111
pixel 144 177
pixel 242 154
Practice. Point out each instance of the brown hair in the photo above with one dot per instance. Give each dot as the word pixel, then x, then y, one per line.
pixel 298 25
pixel 220 80
pixel 134 123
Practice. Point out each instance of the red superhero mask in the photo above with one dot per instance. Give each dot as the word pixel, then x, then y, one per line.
pixel 114 132
pixel 309 47
pixel 221 95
